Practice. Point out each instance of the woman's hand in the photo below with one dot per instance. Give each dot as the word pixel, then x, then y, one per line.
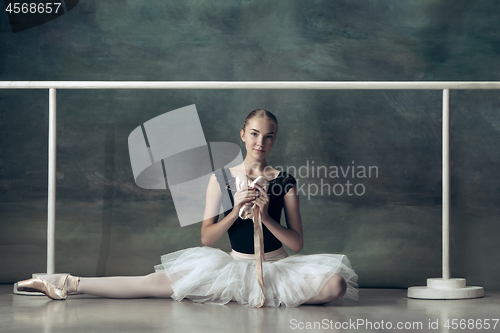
pixel 262 201
pixel 244 196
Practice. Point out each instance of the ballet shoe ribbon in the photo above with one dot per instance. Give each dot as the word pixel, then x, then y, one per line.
pixel 258 241
pixel 253 212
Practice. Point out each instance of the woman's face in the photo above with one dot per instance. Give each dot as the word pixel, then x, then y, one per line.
pixel 259 136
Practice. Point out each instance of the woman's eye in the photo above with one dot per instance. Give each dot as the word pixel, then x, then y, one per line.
pixel 254 134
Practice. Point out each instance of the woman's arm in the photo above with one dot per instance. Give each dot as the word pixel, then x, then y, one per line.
pixel 211 230
pixel 291 235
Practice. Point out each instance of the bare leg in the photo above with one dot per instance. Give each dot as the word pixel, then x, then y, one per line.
pixel 152 285
pixel 334 288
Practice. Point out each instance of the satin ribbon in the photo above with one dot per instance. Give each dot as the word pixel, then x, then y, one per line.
pixel 252 211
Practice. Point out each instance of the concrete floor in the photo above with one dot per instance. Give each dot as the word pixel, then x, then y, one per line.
pixel 82 313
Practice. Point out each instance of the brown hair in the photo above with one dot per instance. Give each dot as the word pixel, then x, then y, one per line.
pixel 260 113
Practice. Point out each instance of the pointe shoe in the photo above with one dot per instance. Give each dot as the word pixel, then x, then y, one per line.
pixel 59 292
pixel 74 283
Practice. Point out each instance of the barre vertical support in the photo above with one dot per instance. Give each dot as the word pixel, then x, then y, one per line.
pixel 51 209
pixel 51 202
pixel 446 184
pixel 445 287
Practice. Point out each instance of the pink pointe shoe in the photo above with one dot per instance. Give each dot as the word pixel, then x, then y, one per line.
pixel 55 292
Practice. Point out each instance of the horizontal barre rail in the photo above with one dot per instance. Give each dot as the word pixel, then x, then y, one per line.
pixel 354 85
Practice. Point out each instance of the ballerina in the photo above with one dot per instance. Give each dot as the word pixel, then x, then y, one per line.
pixel 206 274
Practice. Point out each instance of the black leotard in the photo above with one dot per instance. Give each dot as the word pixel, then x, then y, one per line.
pixel 241 233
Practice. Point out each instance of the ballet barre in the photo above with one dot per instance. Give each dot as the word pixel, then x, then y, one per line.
pixel 437 288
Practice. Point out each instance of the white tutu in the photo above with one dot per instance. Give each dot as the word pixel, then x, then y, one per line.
pixel 206 274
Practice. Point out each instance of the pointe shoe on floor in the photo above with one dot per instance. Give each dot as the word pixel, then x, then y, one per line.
pixel 55 292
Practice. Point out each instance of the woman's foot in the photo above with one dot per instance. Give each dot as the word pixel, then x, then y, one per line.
pixel 71 283
pixel 55 286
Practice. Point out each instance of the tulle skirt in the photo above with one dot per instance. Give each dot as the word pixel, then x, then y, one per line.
pixel 206 274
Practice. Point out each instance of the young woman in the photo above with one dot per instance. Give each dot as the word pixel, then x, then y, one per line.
pixel 206 274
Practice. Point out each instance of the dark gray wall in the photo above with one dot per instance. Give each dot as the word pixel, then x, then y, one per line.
pixel 106 225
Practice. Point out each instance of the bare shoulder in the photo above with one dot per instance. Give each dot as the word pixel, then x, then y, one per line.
pixel 272 173
pixel 237 170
